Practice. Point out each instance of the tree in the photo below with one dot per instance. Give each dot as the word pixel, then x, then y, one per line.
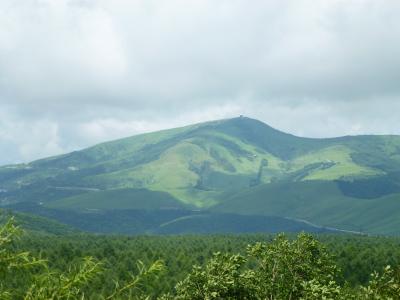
pixel 281 269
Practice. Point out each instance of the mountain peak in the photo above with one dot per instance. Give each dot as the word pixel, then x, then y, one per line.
pixel 238 165
pixel 258 133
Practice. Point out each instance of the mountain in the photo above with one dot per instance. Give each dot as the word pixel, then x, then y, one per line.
pixel 237 166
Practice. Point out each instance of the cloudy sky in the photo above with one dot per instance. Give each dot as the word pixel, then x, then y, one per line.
pixel 77 72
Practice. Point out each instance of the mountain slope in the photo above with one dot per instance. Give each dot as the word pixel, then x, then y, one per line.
pixel 239 165
pixel 320 202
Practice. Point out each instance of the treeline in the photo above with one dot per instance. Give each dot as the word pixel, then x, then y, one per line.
pixel 303 267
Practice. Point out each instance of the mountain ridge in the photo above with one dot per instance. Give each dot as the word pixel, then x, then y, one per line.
pixel 220 165
pixel 201 124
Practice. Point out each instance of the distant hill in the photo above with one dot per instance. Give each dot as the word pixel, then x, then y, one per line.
pixel 36 224
pixel 236 166
pixel 154 221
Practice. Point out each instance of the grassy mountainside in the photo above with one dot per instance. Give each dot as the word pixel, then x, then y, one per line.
pixel 124 198
pixel 319 202
pixel 239 166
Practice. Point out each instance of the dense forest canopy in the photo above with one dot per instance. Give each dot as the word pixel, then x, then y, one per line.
pixel 81 266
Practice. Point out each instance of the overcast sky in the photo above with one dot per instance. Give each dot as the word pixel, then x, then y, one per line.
pixel 75 73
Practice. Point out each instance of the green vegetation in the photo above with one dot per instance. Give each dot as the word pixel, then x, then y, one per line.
pixel 24 276
pixel 197 267
pixel 230 223
pixel 236 166
pixel 320 202
pixel 163 221
pixel 121 199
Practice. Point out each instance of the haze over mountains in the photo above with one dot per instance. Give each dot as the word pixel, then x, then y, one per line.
pixel 232 175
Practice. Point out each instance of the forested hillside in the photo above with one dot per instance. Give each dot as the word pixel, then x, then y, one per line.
pixel 36 224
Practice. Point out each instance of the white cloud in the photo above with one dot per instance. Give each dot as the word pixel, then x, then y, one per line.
pixel 97 70
pixel 24 141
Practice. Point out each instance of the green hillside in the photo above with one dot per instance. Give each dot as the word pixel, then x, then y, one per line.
pixel 121 199
pixel 231 223
pixel 36 224
pixel 319 202
pixel 160 221
pixel 239 166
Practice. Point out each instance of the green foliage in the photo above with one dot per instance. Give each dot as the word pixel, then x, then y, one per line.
pixel 51 285
pixel 13 265
pixel 221 279
pixel 282 269
pixel 141 279
pixel 355 256
pixel 315 290
pixel 383 286
pixel 35 281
